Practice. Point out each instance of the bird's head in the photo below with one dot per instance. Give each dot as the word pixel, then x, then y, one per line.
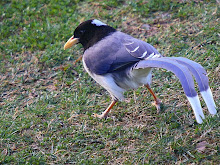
pixel 88 33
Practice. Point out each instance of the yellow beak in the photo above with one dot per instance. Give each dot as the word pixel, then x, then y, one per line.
pixel 72 41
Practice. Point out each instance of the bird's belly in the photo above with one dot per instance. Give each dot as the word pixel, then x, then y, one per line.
pixel 133 79
pixel 116 83
pixel 107 82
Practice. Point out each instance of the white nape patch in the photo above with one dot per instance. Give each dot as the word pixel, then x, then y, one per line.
pixel 196 106
pixel 98 23
pixel 135 49
pixel 207 96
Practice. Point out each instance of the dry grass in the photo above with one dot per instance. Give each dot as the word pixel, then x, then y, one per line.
pixel 47 101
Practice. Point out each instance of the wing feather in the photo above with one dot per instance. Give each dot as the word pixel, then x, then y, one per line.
pixel 138 49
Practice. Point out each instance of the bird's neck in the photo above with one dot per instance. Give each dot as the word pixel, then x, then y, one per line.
pixel 97 36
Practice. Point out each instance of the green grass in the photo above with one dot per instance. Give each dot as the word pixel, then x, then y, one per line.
pixel 46 102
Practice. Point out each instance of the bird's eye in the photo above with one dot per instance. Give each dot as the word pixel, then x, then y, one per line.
pixel 81 32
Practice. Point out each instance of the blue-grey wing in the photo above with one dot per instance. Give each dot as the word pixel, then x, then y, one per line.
pixel 139 49
pixel 108 55
pixel 115 52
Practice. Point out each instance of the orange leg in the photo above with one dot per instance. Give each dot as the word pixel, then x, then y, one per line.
pixel 156 102
pixel 105 113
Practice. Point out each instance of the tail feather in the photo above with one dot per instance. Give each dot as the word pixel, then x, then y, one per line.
pixel 200 75
pixel 207 96
pixel 197 109
pixel 196 69
pixel 184 69
pixel 179 70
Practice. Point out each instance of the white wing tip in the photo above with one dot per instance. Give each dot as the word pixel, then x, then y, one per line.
pixel 197 109
pixel 208 98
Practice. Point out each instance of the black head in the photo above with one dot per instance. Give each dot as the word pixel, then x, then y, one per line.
pixel 92 31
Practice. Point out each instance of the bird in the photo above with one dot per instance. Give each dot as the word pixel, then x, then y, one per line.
pixel 119 62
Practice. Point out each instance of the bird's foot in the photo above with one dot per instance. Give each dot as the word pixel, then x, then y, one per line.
pixel 102 116
pixel 105 113
pixel 157 103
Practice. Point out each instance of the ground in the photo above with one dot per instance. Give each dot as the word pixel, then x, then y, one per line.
pixel 47 100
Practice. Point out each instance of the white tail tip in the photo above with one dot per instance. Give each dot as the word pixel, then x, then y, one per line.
pixel 208 98
pixel 196 106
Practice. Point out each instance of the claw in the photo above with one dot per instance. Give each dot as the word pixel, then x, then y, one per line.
pixel 105 113
pixel 157 103
pixel 102 116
